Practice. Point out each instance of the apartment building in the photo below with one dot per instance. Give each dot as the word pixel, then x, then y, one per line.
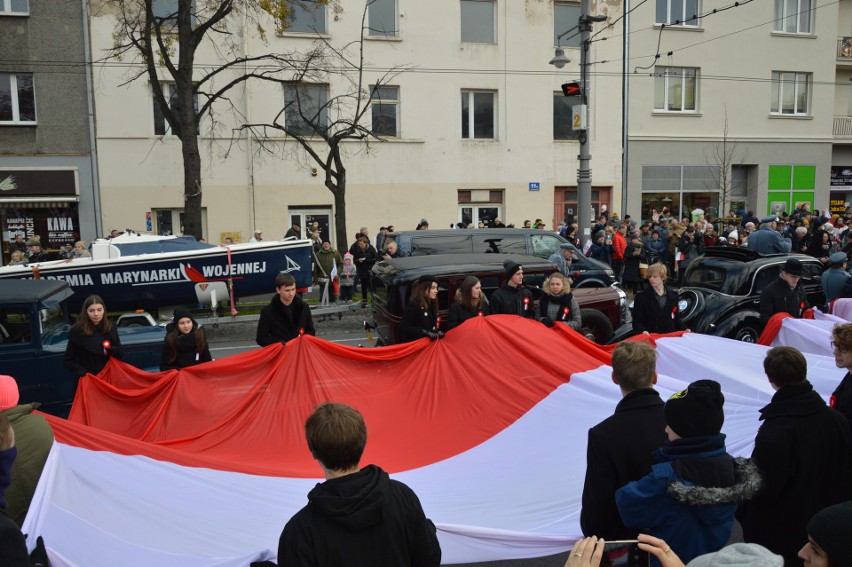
pixel 48 182
pixel 729 105
pixel 474 124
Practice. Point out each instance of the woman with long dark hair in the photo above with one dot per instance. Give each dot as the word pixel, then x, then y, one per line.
pixel 420 318
pixel 470 302
pixel 185 343
pixel 92 340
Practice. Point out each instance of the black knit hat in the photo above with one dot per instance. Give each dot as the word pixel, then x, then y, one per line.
pixel 829 528
pixel 697 410
pixel 511 268
pixel 180 314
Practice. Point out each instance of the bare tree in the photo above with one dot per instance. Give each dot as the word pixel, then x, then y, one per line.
pixel 164 35
pixel 720 160
pixel 320 123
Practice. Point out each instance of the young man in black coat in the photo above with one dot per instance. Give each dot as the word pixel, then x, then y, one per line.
pixel 512 298
pixel 286 316
pixel 357 517
pixel 802 452
pixel 620 447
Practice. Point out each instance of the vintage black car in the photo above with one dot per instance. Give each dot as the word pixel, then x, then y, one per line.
pixel 34 333
pixel 720 292
pixel 586 272
pixel 603 308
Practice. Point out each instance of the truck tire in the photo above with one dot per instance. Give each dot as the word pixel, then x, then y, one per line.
pixel 596 326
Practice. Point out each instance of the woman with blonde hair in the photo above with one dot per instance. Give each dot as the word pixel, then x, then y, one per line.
pixel 470 302
pixel 558 304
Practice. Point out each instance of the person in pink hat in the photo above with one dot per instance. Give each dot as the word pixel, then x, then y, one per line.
pixel 33 439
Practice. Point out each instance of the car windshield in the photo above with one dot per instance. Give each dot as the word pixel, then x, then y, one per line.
pixel 711 277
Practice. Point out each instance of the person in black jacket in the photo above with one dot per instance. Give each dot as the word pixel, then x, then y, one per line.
pixel 364 256
pixel 620 447
pixel 655 309
pixel 841 344
pixel 420 317
pixel 286 317
pixel 185 343
pixel 469 302
pixel 802 452
pixel 357 517
pixel 784 294
pixel 92 340
pixel 512 298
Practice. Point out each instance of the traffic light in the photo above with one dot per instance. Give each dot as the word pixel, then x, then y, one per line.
pixel 573 88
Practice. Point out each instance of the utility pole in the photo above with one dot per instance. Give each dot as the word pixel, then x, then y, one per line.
pixel 584 174
pixel 580 117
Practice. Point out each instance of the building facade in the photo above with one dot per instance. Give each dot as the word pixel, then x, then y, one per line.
pixel 729 107
pixel 473 122
pixel 48 173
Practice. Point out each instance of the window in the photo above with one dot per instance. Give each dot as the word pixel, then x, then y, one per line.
pixel 480 207
pixel 478 21
pixel 382 19
pixel 678 13
pixel 309 18
pixel 792 16
pixel 17 99
pixel 161 125
pixel 14 7
pixel 479 114
pixel 305 108
pixel 681 189
pixel 562 116
pixel 167 10
pixel 565 16
pixel 790 93
pixel 385 111
pixel 790 186
pixel 675 89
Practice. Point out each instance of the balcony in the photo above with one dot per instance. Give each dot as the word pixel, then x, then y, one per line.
pixel 844 51
pixel 842 130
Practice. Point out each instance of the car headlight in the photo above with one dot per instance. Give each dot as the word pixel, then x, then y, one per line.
pixel 690 303
pixel 610 273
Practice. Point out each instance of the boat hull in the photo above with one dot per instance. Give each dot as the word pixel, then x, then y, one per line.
pixel 152 281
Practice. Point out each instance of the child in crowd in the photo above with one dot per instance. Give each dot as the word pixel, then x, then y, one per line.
pixel 690 497
pixel 347 279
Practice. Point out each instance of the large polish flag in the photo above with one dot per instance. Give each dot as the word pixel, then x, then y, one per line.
pixel 203 467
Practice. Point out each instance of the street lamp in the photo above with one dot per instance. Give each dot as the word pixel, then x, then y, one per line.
pixel 584 173
pixel 559 60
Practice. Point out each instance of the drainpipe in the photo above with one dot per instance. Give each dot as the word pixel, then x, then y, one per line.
pixel 90 107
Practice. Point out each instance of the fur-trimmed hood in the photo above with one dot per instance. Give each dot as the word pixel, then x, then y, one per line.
pixel 747 483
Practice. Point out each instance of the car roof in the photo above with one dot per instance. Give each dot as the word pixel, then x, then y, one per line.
pixel 28 291
pixel 750 257
pixel 451 232
pixel 412 267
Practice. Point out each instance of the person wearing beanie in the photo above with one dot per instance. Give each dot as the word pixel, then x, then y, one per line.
pixel 690 496
pixel 829 532
pixel 33 440
pixel 185 343
pixel 512 298
pixel 802 451
pixel 600 250
pixel 420 317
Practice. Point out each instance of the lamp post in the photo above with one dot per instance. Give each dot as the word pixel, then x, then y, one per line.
pixel 584 173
